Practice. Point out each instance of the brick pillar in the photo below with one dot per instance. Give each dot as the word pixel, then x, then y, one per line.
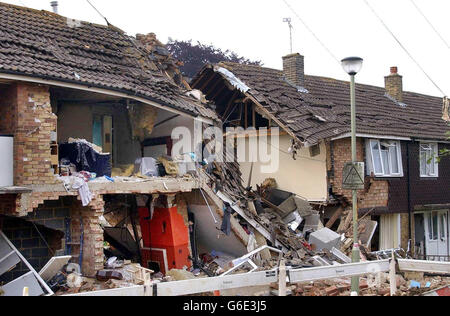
pixel 32 136
pixel 93 235
pixel 294 69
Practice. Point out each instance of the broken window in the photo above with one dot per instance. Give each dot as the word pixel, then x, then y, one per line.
pixel 386 158
pixel 428 160
pixel 433 226
pixel 314 150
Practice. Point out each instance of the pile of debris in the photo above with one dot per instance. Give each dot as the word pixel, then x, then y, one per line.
pixel 290 219
pixel 372 286
pixel 117 274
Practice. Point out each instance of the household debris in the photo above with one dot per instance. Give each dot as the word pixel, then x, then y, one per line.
pixel 9 258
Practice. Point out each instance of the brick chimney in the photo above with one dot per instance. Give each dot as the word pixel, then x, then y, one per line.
pixel 294 69
pixel 394 85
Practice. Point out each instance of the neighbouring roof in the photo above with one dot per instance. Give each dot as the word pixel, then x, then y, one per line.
pixel 46 45
pixel 321 109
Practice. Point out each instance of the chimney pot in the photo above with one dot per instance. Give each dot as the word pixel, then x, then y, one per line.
pixel 394 84
pixel 54 5
pixel 294 69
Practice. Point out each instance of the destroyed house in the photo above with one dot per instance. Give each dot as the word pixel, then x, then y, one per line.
pixel 83 103
pixel 87 172
pixel 404 203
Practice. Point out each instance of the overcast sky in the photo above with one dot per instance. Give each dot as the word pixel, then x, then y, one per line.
pixel 255 29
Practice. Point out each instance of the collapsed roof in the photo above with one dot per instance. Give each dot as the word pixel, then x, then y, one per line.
pixel 321 109
pixel 45 45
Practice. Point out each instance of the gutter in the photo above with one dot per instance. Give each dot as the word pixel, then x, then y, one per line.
pixel 111 91
pixel 347 135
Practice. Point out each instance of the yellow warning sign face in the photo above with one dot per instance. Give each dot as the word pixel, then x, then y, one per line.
pixel 353 178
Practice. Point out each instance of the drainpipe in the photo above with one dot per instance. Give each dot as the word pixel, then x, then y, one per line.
pixel 408 160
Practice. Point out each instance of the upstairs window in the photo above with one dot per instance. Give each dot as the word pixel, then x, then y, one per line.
pixel 428 160
pixel 386 158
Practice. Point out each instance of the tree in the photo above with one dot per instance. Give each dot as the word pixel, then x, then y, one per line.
pixel 195 56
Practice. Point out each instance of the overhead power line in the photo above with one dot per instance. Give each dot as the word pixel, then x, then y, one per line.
pixel 431 24
pixel 107 22
pixel 311 31
pixel 403 47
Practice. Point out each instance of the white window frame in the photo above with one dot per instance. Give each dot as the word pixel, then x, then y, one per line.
pixel 435 152
pixel 371 162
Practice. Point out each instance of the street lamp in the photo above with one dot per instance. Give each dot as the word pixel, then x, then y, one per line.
pixel 353 65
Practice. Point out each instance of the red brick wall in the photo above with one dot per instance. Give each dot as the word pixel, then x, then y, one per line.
pixel 26 113
pixel 376 193
pixel 93 235
pixel 35 122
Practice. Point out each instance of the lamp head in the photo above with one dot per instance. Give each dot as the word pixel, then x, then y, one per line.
pixel 352 65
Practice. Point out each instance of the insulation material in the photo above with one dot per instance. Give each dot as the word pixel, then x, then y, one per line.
pixel 143 119
pixel 170 166
pixel 232 79
pixel 123 171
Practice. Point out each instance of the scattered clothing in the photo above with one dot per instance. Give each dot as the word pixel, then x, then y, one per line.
pixel 226 223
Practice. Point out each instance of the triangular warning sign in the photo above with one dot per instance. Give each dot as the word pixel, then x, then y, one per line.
pixel 353 177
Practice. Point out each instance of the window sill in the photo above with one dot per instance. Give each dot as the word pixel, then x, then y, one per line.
pixel 389 177
pixel 429 177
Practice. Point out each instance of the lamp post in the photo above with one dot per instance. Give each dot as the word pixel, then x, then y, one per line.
pixel 352 65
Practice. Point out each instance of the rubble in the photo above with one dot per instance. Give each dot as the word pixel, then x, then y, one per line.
pixel 369 287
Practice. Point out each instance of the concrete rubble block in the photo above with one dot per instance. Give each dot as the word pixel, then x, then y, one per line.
pixel 325 239
pixel 303 207
pixel 312 222
pixel 288 206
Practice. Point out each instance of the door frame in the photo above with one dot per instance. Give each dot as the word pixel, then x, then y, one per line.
pixel 428 242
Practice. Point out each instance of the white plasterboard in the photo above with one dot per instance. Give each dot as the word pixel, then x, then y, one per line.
pixel 53 266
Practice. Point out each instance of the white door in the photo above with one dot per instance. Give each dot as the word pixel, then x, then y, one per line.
pixel 436 234
pixel 390 232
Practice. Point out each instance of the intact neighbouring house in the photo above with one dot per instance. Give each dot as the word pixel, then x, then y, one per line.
pixel 399 136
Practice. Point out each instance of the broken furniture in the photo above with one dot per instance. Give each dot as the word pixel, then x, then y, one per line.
pixel 293 210
pixel 248 259
pixel 86 158
pixel 54 266
pixel 166 239
pixel 9 258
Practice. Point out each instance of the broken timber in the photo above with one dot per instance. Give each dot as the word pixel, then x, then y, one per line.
pixel 251 221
